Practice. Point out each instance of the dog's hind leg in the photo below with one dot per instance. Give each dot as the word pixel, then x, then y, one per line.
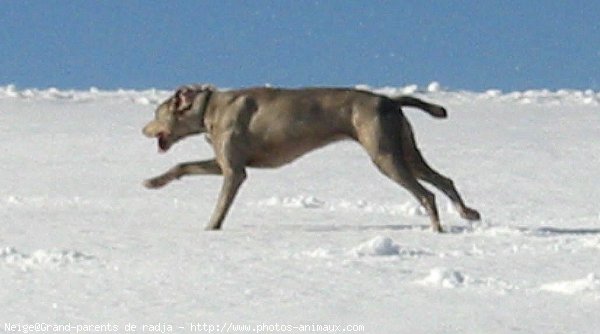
pixel 383 146
pixel 206 167
pixel 424 172
pixel 390 166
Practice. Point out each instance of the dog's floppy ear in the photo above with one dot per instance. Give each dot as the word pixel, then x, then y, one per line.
pixel 184 96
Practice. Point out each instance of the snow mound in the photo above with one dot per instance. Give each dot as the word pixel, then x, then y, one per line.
pixel 9 91
pixel 40 259
pixel 591 283
pixel 434 87
pixel 444 278
pixel 385 246
pixel 378 246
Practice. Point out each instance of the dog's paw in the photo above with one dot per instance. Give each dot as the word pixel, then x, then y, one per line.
pixel 212 227
pixel 470 214
pixel 155 183
pixel 437 229
pixel 439 112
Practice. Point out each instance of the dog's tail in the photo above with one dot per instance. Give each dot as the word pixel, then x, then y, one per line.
pixel 432 109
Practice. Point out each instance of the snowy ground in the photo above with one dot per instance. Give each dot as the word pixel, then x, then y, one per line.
pixel 326 240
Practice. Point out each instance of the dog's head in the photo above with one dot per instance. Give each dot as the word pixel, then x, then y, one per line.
pixel 179 116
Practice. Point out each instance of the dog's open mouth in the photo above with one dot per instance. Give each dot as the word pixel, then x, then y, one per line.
pixel 163 143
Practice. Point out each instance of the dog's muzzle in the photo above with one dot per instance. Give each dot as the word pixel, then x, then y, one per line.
pixel 163 137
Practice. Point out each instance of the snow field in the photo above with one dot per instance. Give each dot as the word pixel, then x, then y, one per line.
pixel 325 239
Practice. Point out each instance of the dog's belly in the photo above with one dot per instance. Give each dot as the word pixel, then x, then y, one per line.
pixel 283 132
pixel 270 156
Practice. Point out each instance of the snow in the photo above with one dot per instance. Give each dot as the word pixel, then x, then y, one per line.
pixel 444 278
pixel 378 246
pixel 591 283
pixel 325 240
pixel 434 87
pixel 42 259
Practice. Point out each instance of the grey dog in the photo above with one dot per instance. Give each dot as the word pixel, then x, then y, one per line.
pixel 269 127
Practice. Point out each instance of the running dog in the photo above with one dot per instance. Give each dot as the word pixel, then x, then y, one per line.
pixel 270 127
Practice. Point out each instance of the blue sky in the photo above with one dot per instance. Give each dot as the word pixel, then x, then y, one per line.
pixel 475 45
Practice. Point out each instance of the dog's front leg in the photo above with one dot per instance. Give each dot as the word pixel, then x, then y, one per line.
pixel 206 167
pixel 232 181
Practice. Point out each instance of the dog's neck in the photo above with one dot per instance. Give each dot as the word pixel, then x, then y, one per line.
pixel 202 113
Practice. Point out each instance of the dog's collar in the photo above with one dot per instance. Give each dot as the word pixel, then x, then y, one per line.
pixel 208 93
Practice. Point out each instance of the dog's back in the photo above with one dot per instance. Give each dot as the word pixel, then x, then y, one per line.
pixel 290 122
